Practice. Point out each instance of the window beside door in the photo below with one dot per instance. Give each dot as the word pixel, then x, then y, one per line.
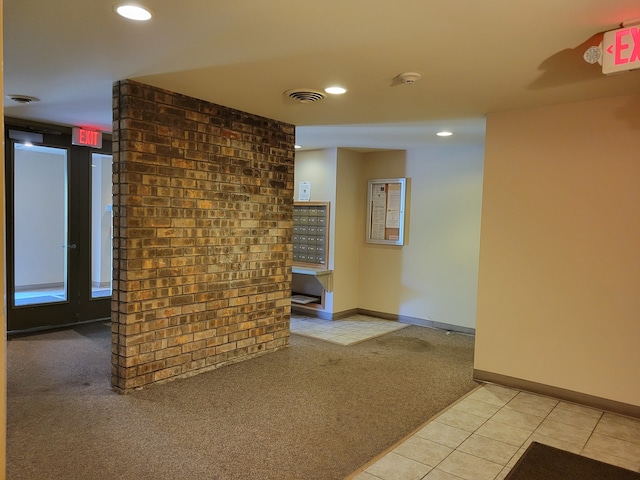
pixel 101 225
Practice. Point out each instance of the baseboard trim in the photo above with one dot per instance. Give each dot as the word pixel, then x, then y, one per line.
pixel 421 322
pixel 345 313
pixel 600 403
pixel 38 286
pixel 312 312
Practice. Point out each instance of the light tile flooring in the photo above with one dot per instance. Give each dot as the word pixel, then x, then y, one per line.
pixel 483 435
pixel 348 331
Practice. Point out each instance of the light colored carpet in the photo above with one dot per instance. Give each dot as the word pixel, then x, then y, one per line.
pixel 312 411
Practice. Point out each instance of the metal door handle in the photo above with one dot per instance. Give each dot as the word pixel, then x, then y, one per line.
pixel 72 246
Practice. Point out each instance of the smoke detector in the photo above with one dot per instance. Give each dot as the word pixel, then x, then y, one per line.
pixel 409 78
pixel 305 95
pixel 22 99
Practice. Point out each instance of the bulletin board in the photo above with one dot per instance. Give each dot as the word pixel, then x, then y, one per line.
pixel 385 211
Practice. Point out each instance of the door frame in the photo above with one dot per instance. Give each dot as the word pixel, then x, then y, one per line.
pixel 79 306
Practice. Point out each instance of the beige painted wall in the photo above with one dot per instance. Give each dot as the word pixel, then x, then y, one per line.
pixel 319 167
pixel 349 232
pixel 434 275
pixel 559 280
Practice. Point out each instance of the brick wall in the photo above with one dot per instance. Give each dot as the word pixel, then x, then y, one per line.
pixel 203 199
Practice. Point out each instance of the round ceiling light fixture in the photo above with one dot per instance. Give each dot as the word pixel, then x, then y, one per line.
pixel 444 133
pixel 335 90
pixel 133 12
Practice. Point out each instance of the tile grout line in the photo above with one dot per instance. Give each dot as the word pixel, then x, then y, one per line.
pixel 492 416
pixel 622 459
pixel 487 420
pixel 469 436
pixel 591 434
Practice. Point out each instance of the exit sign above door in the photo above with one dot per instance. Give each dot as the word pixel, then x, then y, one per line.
pixel 621 50
pixel 86 138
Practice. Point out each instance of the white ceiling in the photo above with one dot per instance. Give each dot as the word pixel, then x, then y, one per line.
pixel 475 57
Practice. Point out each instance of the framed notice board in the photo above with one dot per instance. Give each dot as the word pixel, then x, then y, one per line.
pixel 385 211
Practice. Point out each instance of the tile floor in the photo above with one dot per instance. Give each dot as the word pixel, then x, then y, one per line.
pixel 348 331
pixel 482 436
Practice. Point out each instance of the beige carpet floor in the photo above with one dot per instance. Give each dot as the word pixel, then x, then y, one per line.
pixel 313 411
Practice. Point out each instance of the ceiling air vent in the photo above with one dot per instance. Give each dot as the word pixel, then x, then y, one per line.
pixel 22 99
pixel 305 95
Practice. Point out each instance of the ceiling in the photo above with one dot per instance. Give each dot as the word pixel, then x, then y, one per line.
pixel 474 57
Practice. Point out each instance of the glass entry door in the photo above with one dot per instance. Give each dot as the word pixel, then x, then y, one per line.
pixel 59 250
pixel 40 225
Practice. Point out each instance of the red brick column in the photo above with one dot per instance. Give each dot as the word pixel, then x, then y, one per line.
pixel 203 212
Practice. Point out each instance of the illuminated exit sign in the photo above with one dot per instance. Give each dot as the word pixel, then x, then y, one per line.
pixel 621 50
pixel 86 138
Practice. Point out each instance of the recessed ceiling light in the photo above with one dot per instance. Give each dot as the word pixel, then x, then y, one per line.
pixel 335 90
pixel 297 146
pixel 444 134
pixel 133 12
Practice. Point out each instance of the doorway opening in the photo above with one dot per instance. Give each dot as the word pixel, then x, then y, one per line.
pixel 59 224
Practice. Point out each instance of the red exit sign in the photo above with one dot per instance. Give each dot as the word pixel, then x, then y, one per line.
pixel 621 50
pixel 86 138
